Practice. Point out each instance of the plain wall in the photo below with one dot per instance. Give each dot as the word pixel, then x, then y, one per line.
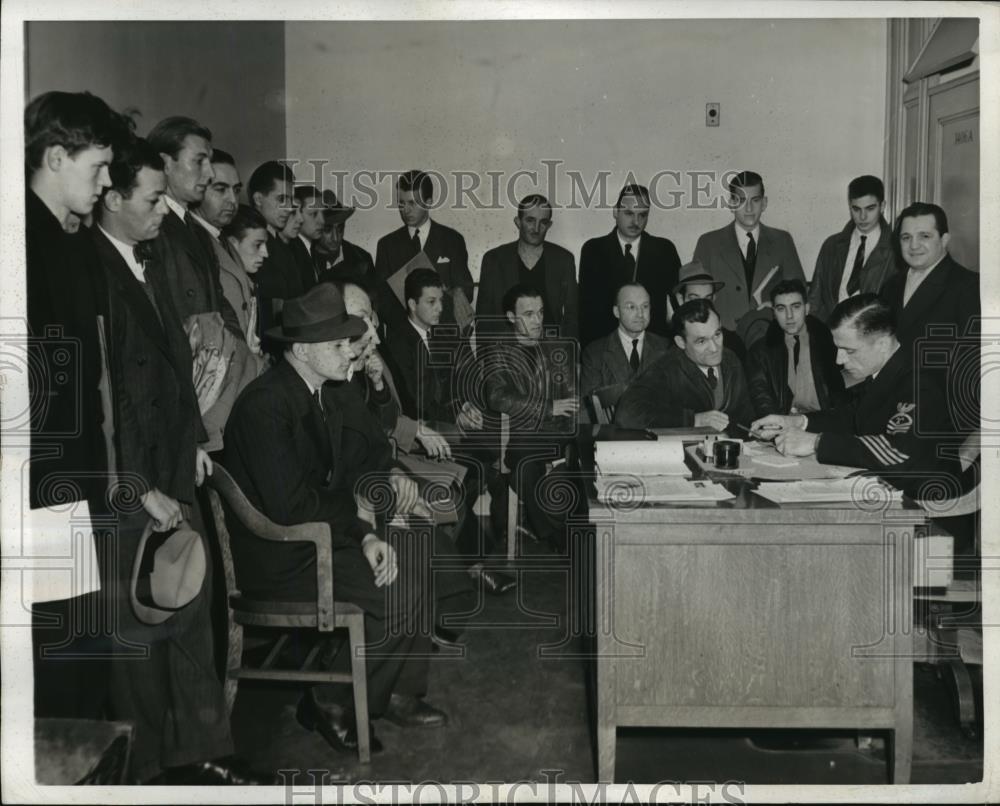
pixel 228 76
pixel 802 103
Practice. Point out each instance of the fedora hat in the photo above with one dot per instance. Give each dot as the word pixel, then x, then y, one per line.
pixel 694 272
pixel 333 211
pixel 318 315
pixel 168 572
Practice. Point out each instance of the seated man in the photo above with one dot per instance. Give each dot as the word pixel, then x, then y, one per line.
pixel 611 363
pixel 699 384
pixel 285 446
pixel 893 426
pixel 794 367
pixel 695 283
pixel 531 381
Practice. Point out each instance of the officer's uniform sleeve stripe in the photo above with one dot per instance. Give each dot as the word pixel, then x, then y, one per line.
pixel 882 450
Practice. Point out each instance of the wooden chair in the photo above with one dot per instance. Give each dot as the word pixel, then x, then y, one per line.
pixel 324 614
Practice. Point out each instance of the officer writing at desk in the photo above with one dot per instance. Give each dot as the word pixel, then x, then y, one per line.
pixel 894 423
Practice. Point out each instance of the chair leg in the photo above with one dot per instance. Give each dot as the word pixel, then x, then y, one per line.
pixel 512 522
pixel 234 660
pixel 360 684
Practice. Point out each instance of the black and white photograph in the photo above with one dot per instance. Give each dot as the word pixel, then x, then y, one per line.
pixel 493 402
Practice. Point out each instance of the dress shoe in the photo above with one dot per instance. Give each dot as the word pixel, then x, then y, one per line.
pixel 413 712
pixel 220 772
pixel 340 731
pixel 497 583
pixel 446 638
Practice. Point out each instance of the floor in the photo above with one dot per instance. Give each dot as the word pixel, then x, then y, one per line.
pixel 519 710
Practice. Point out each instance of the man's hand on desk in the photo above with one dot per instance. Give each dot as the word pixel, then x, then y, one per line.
pixel 796 443
pixel 771 425
pixel 566 407
pixel 713 419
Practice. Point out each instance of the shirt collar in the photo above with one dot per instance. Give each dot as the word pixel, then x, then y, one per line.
pixel 312 389
pixel 635 244
pixel 424 228
pixel 742 233
pixel 870 237
pixel 212 230
pixel 626 340
pixel 420 331
pixel 307 242
pixel 128 255
pixel 175 205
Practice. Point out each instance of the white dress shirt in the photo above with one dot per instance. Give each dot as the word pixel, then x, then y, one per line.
pixel 175 206
pixel 634 244
pixel 914 277
pixel 128 255
pixel 626 340
pixel 744 241
pixel 871 238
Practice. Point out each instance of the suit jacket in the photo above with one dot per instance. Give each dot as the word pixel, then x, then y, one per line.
pixel 279 278
pixel 522 383
pixel 605 364
pixel 158 426
pixel 444 247
pixel 66 292
pixel 719 252
pixel 602 272
pixel 356 266
pixel 304 260
pixel 879 266
pixel 239 290
pixel 767 369
pixel 425 391
pixel 501 270
pixel 670 392
pixel 188 260
pixel 293 464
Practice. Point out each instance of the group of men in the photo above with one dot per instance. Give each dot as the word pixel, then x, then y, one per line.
pixel 254 335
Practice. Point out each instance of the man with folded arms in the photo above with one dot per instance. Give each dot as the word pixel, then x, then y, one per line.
pixel 892 426
pixel 793 368
pixel 699 384
pixel 286 446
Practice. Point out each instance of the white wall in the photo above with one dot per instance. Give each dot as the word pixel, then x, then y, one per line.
pixel 803 103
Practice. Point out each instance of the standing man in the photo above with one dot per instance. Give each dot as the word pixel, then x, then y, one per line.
pixel 69 141
pixel 627 254
pixel 749 256
pixel 312 226
pixel 443 246
pixel 529 260
pixel 794 367
pixel 699 384
pixel 270 193
pixel 610 364
pixel 173 695
pixel 693 282
pixel 337 259
pixel 859 259
pixel 183 247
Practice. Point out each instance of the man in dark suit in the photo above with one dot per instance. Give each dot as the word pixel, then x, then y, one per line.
pixel 794 367
pixel 289 235
pixel 627 254
pixel 893 425
pixel 937 306
pixel 859 259
pixel 699 384
pixel 69 140
pixel 443 246
pixel 337 259
pixel 183 247
pixel 173 695
pixel 270 192
pixel 748 256
pixel 611 364
pixel 287 446
pixel 533 261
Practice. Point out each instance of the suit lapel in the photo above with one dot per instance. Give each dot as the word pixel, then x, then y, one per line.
pixel 699 382
pixel 732 256
pixel 927 293
pixel 615 358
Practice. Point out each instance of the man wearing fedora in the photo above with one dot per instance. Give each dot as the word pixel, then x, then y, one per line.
pixel 611 364
pixel 334 257
pixel 167 686
pixel 287 443
pixel 694 282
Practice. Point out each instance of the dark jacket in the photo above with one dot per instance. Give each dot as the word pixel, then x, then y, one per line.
pixel 444 247
pixel 670 392
pixel 292 464
pixel 188 259
pixel 893 426
pixel 357 266
pixel 66 293
pixel 880 265
pixel 279 278
pixel 603 271
pixel 605 364
pixel 424 386
pixel 304 260
pixel 501 270
pixel 767 369
pixel 158 426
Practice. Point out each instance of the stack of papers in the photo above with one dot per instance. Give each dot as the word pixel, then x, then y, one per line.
pixel 866 491
pixel 658 490
pixel 643 458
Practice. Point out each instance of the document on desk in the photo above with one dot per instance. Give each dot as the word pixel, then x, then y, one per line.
pixel 646 458
pixel 658 490
pixel 864 490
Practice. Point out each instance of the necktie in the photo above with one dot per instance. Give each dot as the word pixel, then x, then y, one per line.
pixel 713 381
pixel 795 353
pixel 416 240
pixel 141 253
pixel 629 262
pixel 318 400
pixel 854 281
pixel 751 262
pixel 633 359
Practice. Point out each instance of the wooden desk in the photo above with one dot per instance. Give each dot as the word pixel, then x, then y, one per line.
pixel 747 615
